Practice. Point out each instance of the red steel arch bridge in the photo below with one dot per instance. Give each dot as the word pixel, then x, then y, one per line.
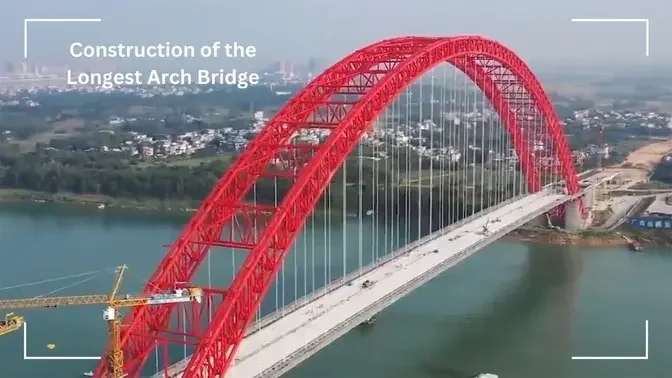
pixel 396 163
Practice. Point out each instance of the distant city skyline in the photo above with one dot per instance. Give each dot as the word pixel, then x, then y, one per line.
pixel 541 32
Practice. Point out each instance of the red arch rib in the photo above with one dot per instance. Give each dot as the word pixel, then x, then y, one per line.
pixel 186 254
pixel 217 348
pixel 413 57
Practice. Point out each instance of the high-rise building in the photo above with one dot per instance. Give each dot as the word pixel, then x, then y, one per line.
pixel 312 66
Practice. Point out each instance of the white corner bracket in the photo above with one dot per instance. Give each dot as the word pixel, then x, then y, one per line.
pixel 56 358
pixel 29 20
pixel 645 21
pixel 644 357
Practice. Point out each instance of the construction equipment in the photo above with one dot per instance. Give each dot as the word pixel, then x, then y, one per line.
pixel 110 314
pixel 11 323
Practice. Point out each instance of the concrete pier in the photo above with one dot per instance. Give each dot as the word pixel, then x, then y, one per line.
pixel 589 197
pixel 573 216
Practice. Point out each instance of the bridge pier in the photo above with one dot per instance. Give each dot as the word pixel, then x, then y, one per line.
pixel 589 198
pixel 539 221
pixel 573 220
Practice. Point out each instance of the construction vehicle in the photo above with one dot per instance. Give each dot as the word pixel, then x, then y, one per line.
pixel 111 314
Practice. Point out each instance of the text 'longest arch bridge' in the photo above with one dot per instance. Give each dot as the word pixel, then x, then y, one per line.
pixel 382 172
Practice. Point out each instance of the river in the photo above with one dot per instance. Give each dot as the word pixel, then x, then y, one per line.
pixel 513 309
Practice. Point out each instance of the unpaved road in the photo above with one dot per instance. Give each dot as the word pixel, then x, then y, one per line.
pixel 650 155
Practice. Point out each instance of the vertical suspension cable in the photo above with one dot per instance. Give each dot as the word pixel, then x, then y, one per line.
pixel 419 155
pixel 398 179
pixel 442 161
pixel 328 238
pixel 505 159
pixel 508 167
pixel 453 151
pixel 360 200
pixel 407 165
pixel 374 200
pixel 464 108
pixel 304 236
pixel 482 146
pixel 280 277
pixel 233 263
pixel 431 153
pixel 393 180
pixel 156 356
pixel 395 173
pixel 474 124
pixel 312 252
pixel 345 217
pixel 386 182
pixel 184 329
pixel 327 194
pixel 345 214
pixel 491 155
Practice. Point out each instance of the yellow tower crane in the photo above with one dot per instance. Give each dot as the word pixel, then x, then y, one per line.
pixel 111 314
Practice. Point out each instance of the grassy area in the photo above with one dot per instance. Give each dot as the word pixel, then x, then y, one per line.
pixel 428 180
pixel 192 162
pixel 184 162
pixel 59 130
pixel 425 178
pixel 595 232
pixel 19 195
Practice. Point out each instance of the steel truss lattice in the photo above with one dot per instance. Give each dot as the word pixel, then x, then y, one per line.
pixel 373 76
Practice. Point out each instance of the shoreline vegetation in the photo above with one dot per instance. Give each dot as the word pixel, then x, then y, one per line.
pixel 97 200
pixel 537 235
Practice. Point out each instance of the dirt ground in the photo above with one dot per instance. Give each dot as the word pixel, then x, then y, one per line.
pixel 649 156
pixel 640 164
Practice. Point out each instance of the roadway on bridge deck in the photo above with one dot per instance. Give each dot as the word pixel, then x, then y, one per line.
pixel 301 332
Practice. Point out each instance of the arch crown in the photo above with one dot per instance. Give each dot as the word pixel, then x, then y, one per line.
pixel 343 101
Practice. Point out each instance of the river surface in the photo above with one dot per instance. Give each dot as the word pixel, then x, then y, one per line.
pixel 513 309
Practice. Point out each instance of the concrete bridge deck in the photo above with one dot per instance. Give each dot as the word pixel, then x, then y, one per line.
pixel 308 325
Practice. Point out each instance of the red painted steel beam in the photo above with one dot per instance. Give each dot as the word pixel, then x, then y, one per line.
pixel 404 60
pixel 222 338
pixel 184 256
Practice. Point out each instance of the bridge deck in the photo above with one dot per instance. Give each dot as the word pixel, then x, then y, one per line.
pixel 291 339
pixel 308 325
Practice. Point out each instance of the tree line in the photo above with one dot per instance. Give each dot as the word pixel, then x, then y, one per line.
pixel 663 171
pixel 366 187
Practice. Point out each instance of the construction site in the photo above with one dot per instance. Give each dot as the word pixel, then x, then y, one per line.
pixel 618 200
pixel 623 210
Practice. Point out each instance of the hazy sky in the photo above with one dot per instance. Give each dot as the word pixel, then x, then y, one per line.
pixel 539 30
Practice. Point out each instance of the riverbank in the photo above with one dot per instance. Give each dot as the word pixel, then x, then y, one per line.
pixel 592 238
pixel 530 235
pixel 106 202
pixel 94 200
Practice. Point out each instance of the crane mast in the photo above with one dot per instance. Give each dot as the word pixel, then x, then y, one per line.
pixel 111 314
